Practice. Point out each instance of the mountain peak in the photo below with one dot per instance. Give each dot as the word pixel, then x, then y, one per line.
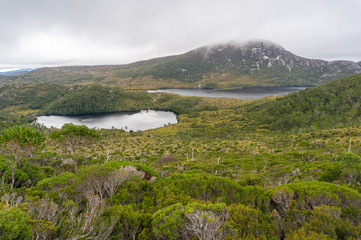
pixel 226 65
pixel 255 48
pixel 262 44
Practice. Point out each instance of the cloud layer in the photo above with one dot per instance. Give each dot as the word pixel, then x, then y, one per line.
pixel 74 32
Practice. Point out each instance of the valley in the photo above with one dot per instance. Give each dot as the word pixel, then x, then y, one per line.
pixel 275 167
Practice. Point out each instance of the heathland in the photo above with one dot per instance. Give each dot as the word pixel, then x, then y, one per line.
pixel 284 167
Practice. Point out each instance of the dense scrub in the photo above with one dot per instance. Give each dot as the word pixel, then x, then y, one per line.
pixel 328 105
pixel 74 100
pixel 217 174
pixel 127 195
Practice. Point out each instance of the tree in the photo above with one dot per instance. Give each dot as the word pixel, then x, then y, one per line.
pixel 14 224
pixel 250 222
pixel 207 221
pixel 332 172
pixel 19 142
pixel 71 137
pixel 282 199
pixel 103 181
pixel 83 223
pixel 128 221
pixel 349 159
pixel 351 166
pixel 303 234
pixel 168 223
pixel 45 217
pixel 202 221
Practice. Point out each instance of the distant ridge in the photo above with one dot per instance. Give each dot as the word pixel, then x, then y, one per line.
pixel 221 66
pixel 17 72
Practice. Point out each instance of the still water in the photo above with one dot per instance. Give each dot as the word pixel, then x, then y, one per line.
pixel 139 121
pixel 246 93
pixel 150 119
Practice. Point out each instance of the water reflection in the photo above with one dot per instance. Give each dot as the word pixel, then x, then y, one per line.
pixel 140 121
pixel 246 93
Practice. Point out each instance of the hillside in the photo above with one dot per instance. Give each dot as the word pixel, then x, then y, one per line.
pixel 333 104
pixel 223 66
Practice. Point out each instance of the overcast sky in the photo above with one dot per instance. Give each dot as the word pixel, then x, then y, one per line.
pixel 87 32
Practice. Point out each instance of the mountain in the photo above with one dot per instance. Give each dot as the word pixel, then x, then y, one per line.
pixel 222 66
pixel 16 72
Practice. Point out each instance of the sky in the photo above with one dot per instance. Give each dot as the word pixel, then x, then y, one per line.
pixel 36 33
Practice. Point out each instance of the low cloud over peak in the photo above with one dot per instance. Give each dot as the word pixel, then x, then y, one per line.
pixel 74 32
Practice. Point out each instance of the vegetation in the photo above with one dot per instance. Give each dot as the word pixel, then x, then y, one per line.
pixel 334 104
pixel 72 137
pixel 18 144
pixel 225 171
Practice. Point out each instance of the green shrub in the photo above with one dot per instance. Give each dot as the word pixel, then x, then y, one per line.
pixel 332 173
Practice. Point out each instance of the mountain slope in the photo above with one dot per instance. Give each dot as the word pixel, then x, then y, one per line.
pixel 259 62
pixel 333 104
pixel 232 65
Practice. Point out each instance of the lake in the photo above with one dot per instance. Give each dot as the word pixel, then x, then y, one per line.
pixel 245 93
pixel 139 121
pixel 149 119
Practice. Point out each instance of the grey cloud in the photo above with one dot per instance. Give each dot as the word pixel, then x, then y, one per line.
pixel 52 32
